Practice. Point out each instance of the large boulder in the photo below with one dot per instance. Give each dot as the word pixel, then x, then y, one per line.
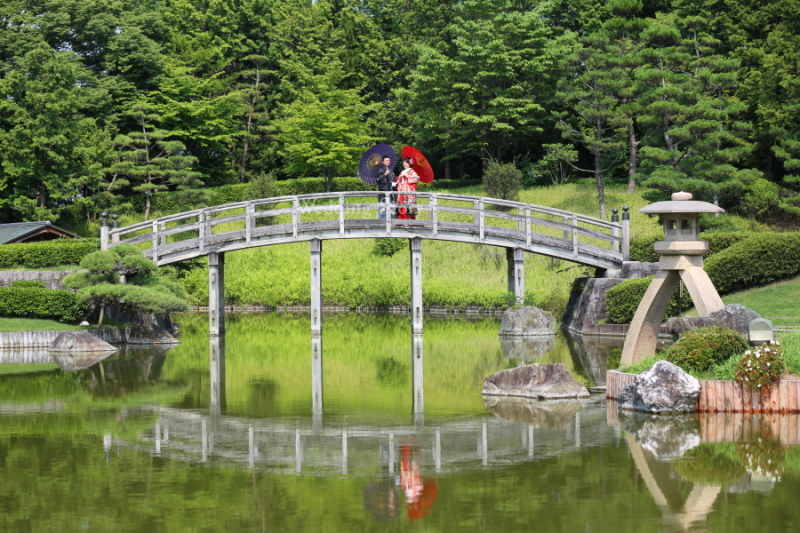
pixel 527 321
pixel 663 388
pixel 79 341
pixel 556 414
pixel 545 382
pixel 732 316
pixel 75 350
pixel 150 334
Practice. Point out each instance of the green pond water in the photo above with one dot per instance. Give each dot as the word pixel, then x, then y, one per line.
pixel 246 434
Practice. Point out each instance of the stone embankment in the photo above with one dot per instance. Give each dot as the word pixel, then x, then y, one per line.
pixel 140 334
pixel 50 278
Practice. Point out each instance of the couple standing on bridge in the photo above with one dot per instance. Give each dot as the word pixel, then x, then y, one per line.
pixel 405 182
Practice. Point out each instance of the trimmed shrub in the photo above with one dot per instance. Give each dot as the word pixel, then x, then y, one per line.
pixel 761 366
pixel 388 247
pixel 759 259
pixel 622 300
pixel 702 348
pixel 41 303
pixel 643 248
pixel 47 253
pixel 502 181
pixel 28 284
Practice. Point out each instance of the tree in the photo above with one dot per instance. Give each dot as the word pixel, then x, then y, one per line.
pixel 143 291
pixel 45 136
pixel 689 102
pixel 485 93
pixel 322 130
pixel 152 161
pixel 594 120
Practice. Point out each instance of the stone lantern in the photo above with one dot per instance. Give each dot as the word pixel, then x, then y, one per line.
pixel 681 259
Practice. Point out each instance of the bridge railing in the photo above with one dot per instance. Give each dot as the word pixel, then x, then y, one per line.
pixel 296 216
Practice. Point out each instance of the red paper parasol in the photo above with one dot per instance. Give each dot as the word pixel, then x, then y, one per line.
pixel 421 164
pixel 371 160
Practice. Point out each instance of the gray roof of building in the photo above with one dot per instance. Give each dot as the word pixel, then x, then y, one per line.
pixel 17 230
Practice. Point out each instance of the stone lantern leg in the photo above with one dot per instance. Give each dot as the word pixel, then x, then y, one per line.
pixel 681 259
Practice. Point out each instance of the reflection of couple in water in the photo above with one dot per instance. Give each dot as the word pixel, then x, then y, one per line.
pixel 383 500
pixel 420 494
pixel 405 182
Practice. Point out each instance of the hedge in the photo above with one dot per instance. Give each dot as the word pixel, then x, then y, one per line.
pixel 643 248
pixel 47 253
pixel 759 259
pixel 623 299
pixel 41 303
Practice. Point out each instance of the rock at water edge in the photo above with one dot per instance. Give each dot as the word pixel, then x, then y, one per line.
pixel 79 341
pixel 546 382
pixel 527 321
pixel 663 388
pixel 732 316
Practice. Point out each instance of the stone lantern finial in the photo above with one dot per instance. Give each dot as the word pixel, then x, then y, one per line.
pixel 681 258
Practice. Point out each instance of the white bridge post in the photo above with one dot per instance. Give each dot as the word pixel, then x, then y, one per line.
pixel 316 381
pixel 316 287
pixel 216 293
pixel 216 362
pixel 415 245
pixel 626 234
pixel 515 258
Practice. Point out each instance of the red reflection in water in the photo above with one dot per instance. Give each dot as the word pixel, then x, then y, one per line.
pixel 420 494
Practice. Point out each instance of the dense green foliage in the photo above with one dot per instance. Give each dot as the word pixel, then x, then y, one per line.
pixel 502 181
pixel 702 348
pixel 36 302
pixel 642 248
pixel 754 261
pixel 47 253
pixel 622 300
pixel 142 291
pixel 110 106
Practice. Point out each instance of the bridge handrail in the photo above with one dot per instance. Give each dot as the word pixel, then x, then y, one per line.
pixel 166 219
pixel 202 220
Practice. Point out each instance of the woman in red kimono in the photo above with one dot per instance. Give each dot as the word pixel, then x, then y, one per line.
pixel 407 182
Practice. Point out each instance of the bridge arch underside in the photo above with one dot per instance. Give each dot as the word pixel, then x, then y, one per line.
pixel 561 248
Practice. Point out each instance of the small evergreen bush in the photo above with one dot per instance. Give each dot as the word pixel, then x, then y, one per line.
pixel 643 248
pixel 702 348
pixel 388 247
pixel 761 366
pixel 47 253
pixel 622 300
pixel 33 302
pixel 503 181
pixel 760 259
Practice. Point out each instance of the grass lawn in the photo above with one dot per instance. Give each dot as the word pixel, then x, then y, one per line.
pixel 779 302
pixel 32 324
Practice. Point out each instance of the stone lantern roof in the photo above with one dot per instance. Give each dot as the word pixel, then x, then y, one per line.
pixel 681 203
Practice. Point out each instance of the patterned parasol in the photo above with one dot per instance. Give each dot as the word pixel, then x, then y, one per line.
pixel 421 164
pixel 371 160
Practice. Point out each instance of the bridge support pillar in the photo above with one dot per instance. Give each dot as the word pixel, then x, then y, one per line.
pixel 316 287
pixel 216 293
pixel 415 245
pixel 316 382
pixel 217 373
pixel 515 258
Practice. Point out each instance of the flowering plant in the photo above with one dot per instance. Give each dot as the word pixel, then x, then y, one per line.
pixel 761 366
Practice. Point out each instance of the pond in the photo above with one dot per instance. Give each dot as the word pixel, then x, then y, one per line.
pixel 367 430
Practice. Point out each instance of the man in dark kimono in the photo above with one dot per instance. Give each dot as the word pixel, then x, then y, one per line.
pixel 386 181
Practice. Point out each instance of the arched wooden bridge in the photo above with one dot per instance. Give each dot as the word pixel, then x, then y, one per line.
pixel 516 226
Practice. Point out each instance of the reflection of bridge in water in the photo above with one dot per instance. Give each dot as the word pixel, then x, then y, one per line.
pixel 519 431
